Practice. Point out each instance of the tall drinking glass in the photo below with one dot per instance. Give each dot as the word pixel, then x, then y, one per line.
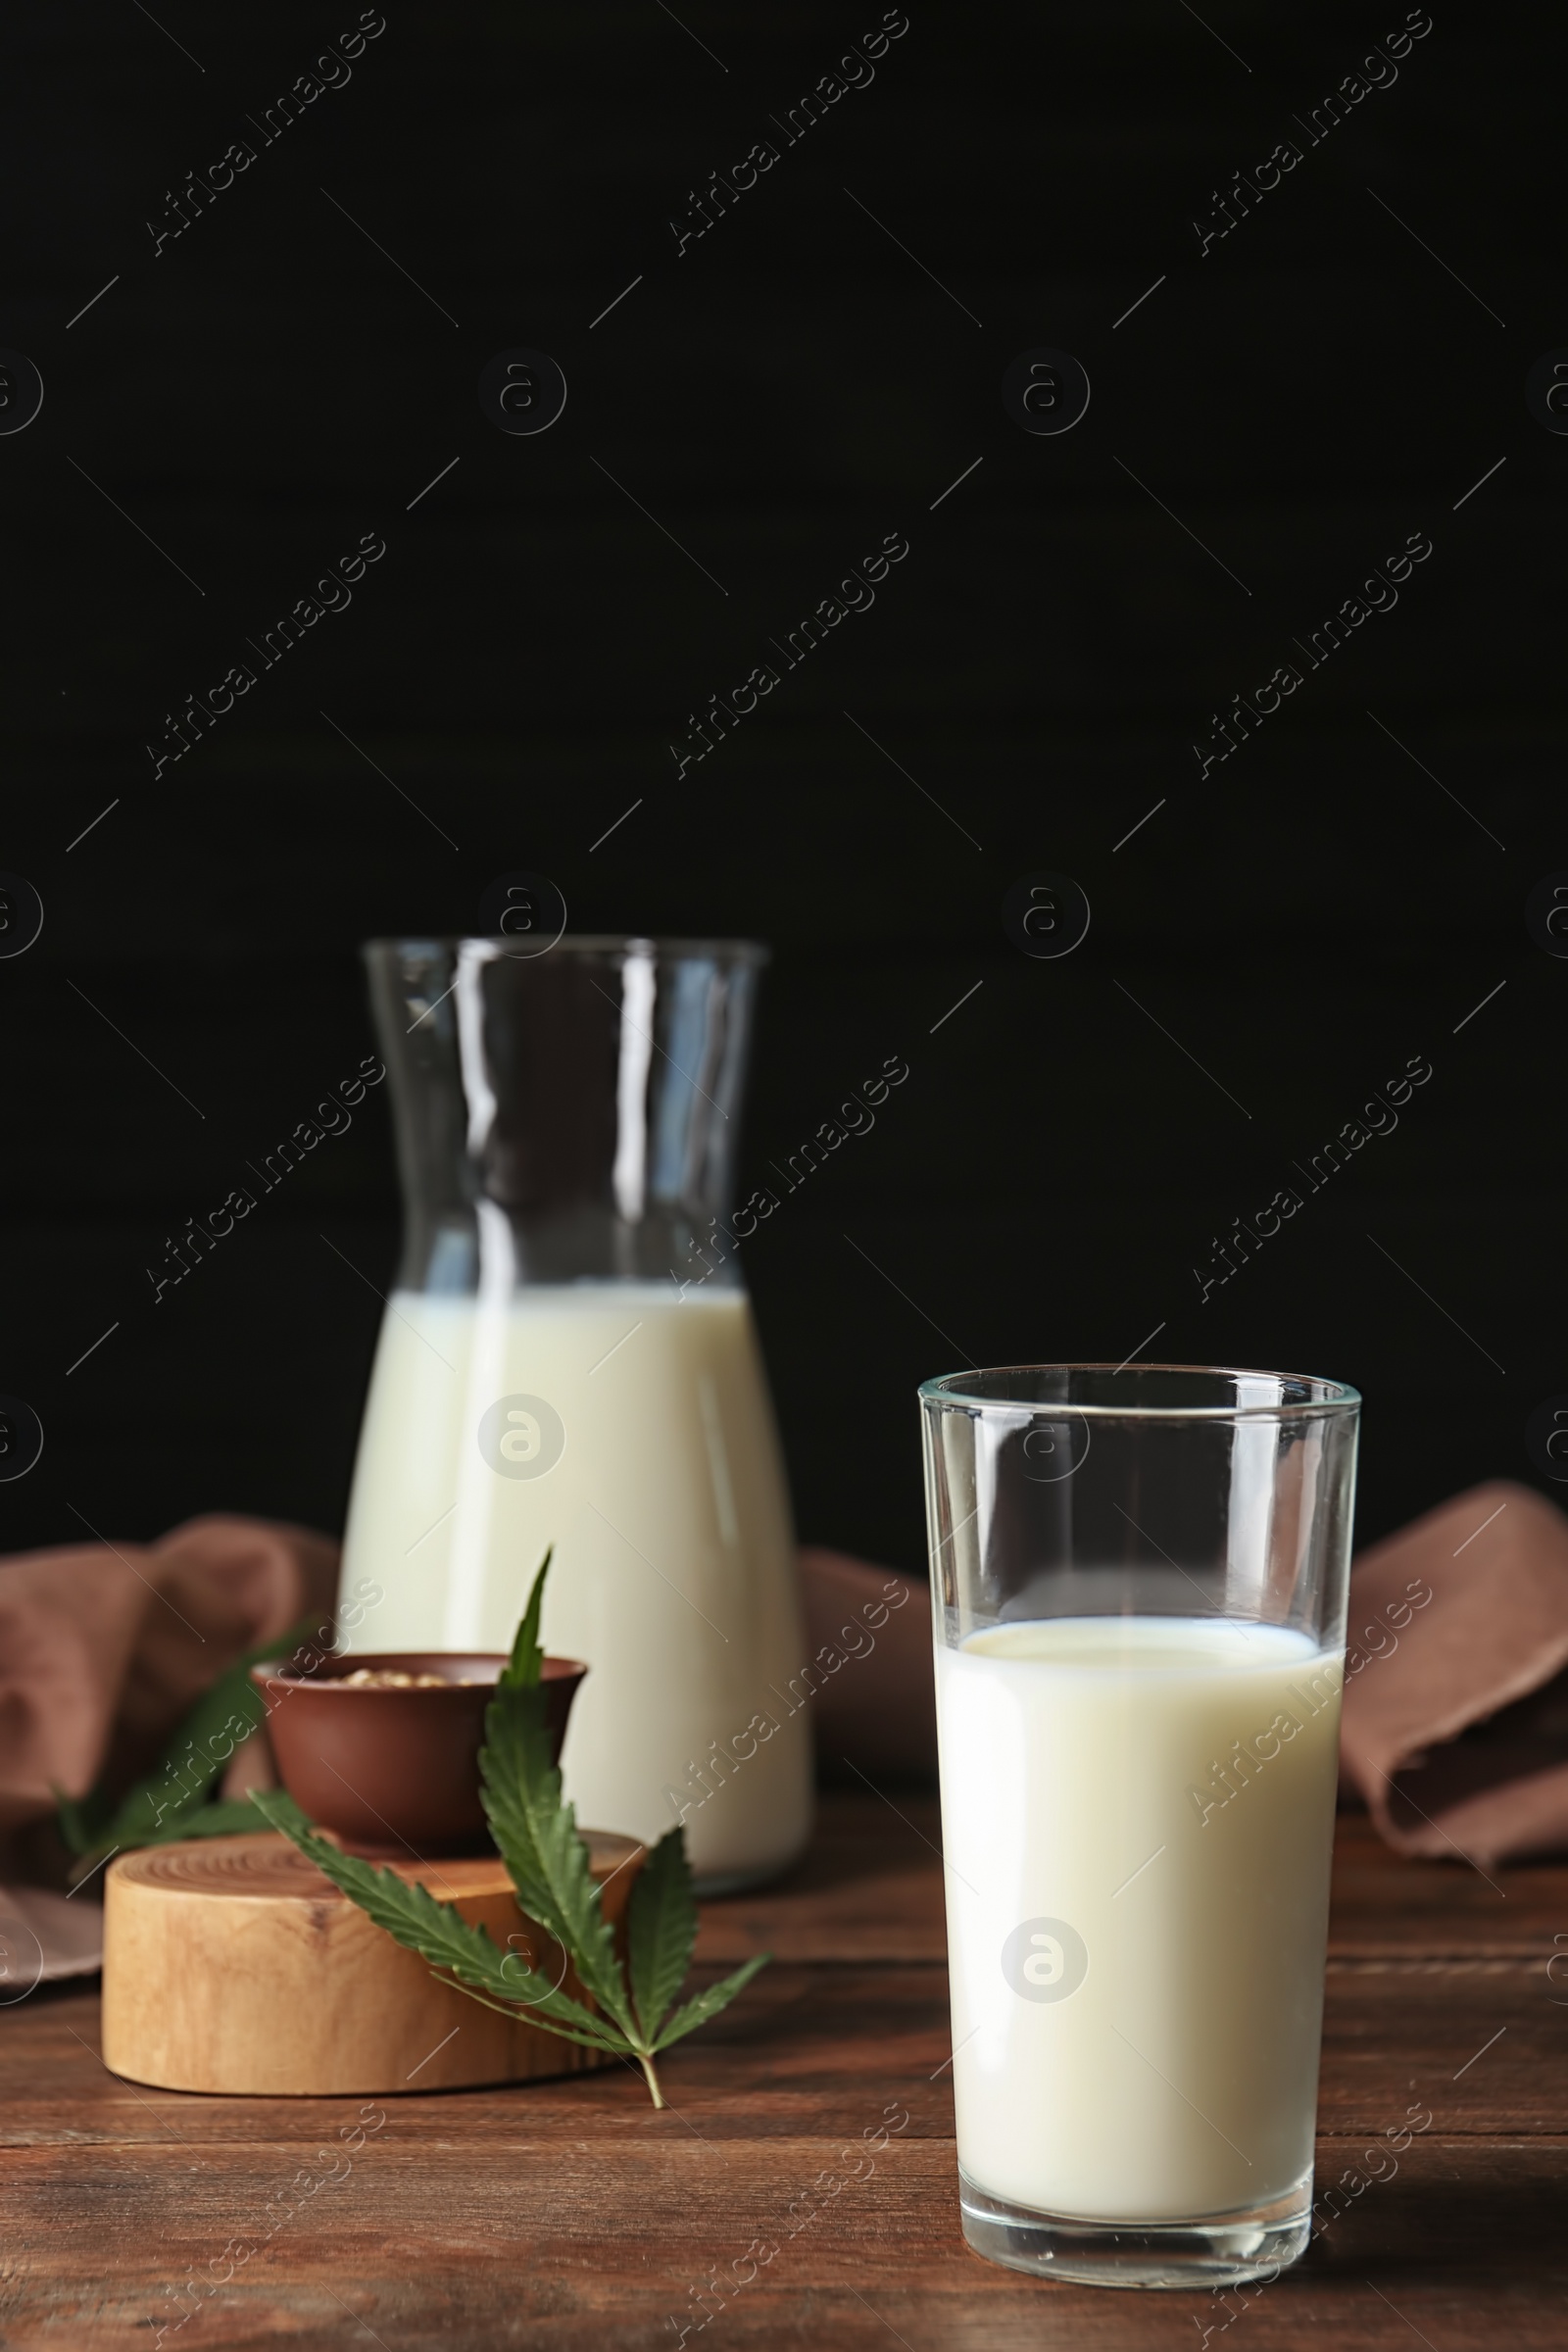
pixel 1140 1581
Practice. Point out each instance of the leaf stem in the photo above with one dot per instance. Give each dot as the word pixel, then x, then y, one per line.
pixel 551 1868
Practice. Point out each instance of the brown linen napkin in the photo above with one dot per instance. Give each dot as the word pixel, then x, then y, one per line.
pixel 1455 1725
pixel 1456 1705
pixel 104 1646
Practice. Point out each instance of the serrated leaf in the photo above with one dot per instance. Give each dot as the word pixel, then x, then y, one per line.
pixel 515 1756
pixel 79 1821
pixel 547 1859
pixel 660 1931
pixel 708 2004
pixel 225 1820
pixel 525 1665
pixel 179 1783
pixel 546 1856
pixel 414 1918
pixel 230 1817
pixel 156 1806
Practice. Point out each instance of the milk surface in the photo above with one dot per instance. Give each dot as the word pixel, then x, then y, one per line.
pixel 673 1576
pixel 1136 1939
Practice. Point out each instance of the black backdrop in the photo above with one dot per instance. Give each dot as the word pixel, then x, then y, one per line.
pixel 1282 411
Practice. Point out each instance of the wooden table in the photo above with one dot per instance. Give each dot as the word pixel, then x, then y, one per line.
pixel 570 2214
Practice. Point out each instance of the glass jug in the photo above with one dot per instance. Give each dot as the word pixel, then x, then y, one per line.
pixel 556 1366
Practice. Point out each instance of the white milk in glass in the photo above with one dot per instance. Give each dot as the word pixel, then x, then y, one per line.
pixel 674 1575
pixel 1137 1909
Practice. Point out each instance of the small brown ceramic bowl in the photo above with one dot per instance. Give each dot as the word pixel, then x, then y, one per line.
pixel 390 1768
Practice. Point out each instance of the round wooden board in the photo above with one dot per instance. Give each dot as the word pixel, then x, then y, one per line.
pixel 231 1965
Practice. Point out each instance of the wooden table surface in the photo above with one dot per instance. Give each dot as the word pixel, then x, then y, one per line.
pixel 571 2213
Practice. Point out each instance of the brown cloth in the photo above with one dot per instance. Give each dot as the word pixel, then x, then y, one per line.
pixel 105 1647
pixel 1456 1724
pixel 1456 1703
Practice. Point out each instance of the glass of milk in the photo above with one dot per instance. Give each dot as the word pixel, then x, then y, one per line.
pixel 1140 1579
pixel 567 1357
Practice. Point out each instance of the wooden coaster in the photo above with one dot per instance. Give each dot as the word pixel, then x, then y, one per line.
pixel 231 1965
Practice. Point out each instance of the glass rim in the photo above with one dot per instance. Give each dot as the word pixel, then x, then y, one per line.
pixel 734 951
pixel 1335 1397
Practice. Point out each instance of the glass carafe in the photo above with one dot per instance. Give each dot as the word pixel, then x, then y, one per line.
pixel 569 1357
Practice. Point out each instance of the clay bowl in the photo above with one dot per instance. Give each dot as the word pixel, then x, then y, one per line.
pixel 392 1770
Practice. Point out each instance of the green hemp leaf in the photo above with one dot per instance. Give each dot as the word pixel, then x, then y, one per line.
pixel 172 1799
pixel 548 1860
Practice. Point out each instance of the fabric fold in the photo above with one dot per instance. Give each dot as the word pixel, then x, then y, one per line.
pixel 1455 1722
pixel 1455 1718
pixel 104 1646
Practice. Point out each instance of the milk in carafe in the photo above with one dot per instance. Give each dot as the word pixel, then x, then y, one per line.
pixel 665 1502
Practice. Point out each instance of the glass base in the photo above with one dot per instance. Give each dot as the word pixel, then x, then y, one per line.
pixel 1225 2250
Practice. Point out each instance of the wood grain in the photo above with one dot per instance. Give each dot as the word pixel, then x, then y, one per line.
pixel 567 2214
pixel 232 1965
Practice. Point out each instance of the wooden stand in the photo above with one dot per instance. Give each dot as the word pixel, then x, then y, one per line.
pixel 231 1965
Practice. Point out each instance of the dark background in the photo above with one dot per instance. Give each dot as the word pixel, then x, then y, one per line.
pixel 1322 907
